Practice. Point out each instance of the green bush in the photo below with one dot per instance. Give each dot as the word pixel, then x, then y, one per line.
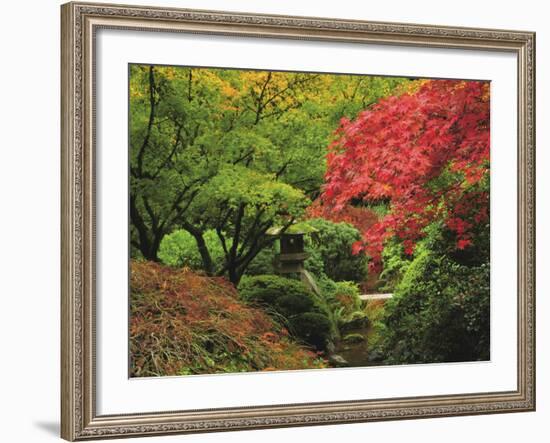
pixel 313 328
pixel 289 299
pixel 439 313
pixel 294 303
pixel 180 249
pixel 331 248
pixel 267 289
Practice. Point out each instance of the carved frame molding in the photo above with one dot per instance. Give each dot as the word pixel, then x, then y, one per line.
pixel 80 21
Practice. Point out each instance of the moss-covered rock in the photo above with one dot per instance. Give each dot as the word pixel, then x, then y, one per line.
pixel 353 338
pixel 356 320
pixel 338 361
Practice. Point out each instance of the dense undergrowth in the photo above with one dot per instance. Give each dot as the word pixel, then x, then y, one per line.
pixel 440 311
pixel 186 323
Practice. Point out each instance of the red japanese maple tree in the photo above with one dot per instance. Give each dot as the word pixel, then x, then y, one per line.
pixel 425 154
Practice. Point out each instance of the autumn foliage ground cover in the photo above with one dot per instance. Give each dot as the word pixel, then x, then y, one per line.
pixel 186 323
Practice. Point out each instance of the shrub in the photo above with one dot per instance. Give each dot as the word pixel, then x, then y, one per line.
pixel 180 249
pixel 290 299
pixel 185 323
pixel 332 246
pixel 314 262
pixel 294 303
pixel 439 313
pixel 313 328
pixel 346 294
pixel 267 289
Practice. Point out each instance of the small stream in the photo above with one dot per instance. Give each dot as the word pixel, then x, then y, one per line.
pixel 356 352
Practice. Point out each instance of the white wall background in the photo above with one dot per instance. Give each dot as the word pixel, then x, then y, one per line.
pixel 29 219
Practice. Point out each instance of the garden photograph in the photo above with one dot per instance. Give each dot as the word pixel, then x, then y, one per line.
pixel 295 220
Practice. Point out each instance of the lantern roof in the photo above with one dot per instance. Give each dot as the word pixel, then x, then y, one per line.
pixel 298 228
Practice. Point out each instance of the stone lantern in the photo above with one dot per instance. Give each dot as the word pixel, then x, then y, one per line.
pixel 292 256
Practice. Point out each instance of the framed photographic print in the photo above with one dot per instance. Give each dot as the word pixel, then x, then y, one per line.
pixel 282 221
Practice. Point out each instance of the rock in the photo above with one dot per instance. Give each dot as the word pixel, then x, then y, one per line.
pixel 338 361
pixel 357 320
pixel 354 338
pixel 376 357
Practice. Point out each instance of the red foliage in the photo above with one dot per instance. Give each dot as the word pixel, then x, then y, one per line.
pixel 425 153
pixel 359 217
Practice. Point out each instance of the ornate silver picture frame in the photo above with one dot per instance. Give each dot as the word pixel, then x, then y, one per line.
pixel 80 23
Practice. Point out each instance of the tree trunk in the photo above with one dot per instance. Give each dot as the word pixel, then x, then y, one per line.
pixel 201 246
pixel 147 242
pixel 205 254
pixel 234 274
